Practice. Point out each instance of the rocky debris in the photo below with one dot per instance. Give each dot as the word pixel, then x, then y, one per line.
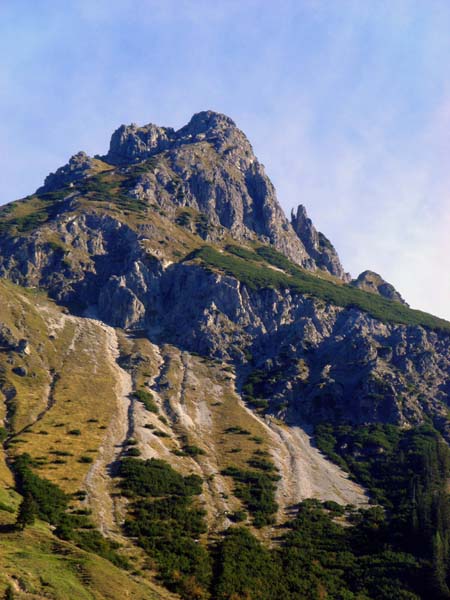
pixel 24 347
pixel 8 341
pixel 319 248
pixel 372 282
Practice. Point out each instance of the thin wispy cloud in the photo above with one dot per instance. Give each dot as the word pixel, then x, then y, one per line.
pixel 347 104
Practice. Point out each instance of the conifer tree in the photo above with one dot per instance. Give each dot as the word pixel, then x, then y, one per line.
pixel 27 512
pixel 9 594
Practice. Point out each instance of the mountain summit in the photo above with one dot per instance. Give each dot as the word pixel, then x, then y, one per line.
pixel 217 174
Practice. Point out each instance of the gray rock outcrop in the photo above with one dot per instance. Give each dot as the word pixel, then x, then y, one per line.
pixel 370 281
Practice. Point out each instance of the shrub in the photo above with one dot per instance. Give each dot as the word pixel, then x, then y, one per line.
pixel 147 400
pixel 238 516
pixel 257 491
pixel 238 430
pixel 192 450
pixel 133 452
pixel 161 434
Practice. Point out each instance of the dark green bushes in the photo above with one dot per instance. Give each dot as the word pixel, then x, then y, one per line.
pixel 192 450
pixel 245 569
pixel 237 430
pixel 156 478
pixel 317 558
pixel 167 523
pixel 86 459
pixel 45 500
pixel 407 471
pixel 257 491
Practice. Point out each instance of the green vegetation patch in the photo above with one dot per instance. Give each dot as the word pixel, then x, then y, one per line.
pixel 167 524
pixel 147 400
pixel 45 500
pixel 317 558
pixel 25 215
pixel 407 471
pixel 256 489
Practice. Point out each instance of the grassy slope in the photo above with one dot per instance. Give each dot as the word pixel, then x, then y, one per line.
pixel 83 398
pixel 39 565
pixel 80 396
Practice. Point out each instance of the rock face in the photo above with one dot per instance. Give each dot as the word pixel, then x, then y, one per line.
pixel 321 362
pixel 120 246
pixel 319 247
pixel 372 282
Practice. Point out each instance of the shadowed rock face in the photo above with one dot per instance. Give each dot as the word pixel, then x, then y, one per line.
pixel 372 282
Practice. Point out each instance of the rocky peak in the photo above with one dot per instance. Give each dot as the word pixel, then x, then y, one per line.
pixel 207 122
pixel 219 174
pixel 130 143
pixel 320 249
pixel 370 281
pixel 79 166
pixel 209 166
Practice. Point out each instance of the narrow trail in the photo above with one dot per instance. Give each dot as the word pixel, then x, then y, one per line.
pixel 54 377
pixel 98 479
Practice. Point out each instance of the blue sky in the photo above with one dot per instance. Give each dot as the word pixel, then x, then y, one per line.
pixel 346 102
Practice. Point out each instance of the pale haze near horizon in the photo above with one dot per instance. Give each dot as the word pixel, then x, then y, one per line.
pixel 346 103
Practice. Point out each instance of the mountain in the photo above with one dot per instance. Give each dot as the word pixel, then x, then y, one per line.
pixel 182 366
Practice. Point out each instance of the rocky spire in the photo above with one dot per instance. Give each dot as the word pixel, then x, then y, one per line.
pixel 320 249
